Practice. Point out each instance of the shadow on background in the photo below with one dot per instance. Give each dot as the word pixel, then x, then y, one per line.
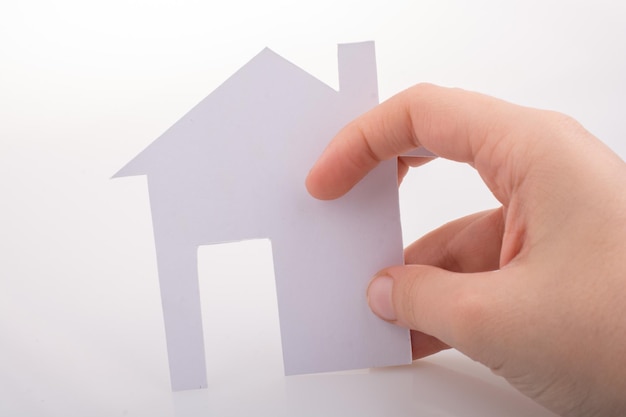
pixel 421 389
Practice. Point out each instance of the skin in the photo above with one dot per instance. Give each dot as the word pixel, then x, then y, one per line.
pixel 535 289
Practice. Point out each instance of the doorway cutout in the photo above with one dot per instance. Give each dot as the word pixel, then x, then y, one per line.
pixel 239 307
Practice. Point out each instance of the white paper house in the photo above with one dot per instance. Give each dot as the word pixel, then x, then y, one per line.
pixel 233 168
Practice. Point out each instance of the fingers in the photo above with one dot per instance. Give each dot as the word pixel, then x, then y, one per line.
pixel 459 310
pixel 452 123
pixel 469 244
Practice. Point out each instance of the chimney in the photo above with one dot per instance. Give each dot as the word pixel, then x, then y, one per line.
pixel 357 72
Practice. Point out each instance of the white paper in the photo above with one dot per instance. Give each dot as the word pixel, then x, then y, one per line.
pixel 233 168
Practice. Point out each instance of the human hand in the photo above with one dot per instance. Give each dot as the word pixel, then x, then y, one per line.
pixel 536 289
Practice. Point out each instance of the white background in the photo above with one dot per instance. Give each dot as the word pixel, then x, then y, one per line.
pixel 85 86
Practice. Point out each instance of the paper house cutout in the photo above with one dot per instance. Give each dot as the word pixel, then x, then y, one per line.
pixel 233 168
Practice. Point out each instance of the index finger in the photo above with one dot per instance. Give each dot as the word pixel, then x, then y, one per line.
pixel 452 123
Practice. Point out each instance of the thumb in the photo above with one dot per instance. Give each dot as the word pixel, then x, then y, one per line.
pixel 458 309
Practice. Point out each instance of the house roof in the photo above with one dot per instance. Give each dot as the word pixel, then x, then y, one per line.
pixel 229 101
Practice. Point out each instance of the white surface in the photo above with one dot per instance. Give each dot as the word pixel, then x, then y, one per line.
pixel 83 86
pixel 233 168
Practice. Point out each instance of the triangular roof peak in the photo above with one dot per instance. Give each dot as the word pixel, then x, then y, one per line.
pixel 357 69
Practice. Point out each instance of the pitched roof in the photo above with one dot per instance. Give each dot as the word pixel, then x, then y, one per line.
pixel 229 103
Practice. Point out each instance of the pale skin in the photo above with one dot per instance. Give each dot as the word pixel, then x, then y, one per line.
pixel 535 289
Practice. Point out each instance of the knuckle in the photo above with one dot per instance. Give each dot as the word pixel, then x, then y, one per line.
pixel 406 305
